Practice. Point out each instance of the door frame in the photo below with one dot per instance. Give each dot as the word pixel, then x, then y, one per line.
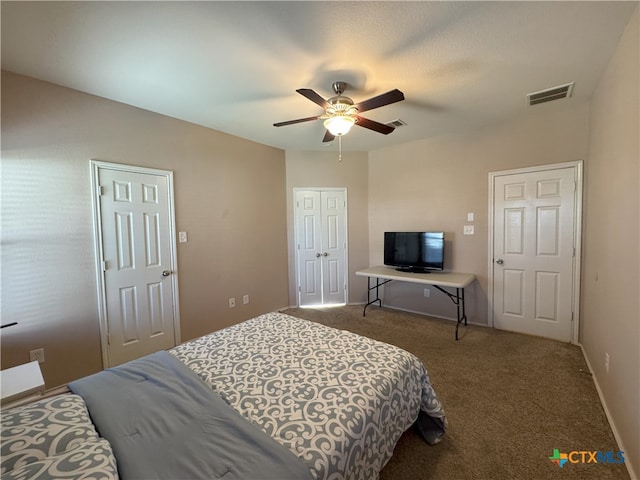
pixel 96 166
pixel 296 237
pixel 577 258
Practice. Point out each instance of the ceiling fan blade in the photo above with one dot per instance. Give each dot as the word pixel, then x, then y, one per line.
pixel 313 96
pixel 328 137
pixel 373 125
pixel 391 96
pixel 293 122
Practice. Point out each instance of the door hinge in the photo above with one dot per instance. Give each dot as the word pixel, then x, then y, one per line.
pixel 104 266
pixel 100 190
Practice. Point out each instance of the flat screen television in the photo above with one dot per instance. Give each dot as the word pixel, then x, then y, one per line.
pixel 419 252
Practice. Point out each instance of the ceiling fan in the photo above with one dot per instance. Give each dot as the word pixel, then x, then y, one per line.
pixel 341 113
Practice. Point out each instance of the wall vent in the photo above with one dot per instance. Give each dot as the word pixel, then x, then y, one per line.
pixel 554 93
pixel 397 123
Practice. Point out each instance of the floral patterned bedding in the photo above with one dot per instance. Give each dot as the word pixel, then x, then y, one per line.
pixel 53 438
pixel 338 400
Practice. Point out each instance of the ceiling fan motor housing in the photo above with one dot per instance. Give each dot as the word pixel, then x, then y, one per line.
pixel 341 106
pixel 339 87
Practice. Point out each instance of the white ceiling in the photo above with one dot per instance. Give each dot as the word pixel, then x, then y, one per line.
pixel 235 66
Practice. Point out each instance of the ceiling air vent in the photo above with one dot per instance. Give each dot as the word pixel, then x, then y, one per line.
pixel 555 93
pixel 397 123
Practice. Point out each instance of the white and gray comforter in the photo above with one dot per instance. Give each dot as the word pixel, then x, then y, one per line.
pixel 338 400
pixel 164 423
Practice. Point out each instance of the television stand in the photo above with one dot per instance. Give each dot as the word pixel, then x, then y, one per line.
pixel 457 281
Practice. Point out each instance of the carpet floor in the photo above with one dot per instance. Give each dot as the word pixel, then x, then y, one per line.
pixel 510 400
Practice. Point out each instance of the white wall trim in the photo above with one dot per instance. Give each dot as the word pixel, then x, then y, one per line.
pixel 612 424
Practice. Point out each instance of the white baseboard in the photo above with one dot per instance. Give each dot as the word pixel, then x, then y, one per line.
pixel 612 424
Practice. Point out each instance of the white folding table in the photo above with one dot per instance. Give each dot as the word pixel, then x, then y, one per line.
pixel 384 274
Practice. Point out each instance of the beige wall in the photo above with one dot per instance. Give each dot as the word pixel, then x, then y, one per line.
pixel 611 268
pixel 432 184
pixel 322 169
pixel 229 196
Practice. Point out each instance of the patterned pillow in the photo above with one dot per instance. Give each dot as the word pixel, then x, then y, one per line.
pixel 32 435
pixel 92 460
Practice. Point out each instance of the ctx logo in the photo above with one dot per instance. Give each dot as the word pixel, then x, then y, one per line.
pixel 586 456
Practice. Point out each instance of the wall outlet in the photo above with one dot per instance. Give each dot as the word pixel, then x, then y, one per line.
pixel 232 302
pixel 606 362
pixel 427 292
pixel 37 355
pixel 245 299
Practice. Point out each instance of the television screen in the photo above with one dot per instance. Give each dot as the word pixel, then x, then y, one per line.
pixel 414 251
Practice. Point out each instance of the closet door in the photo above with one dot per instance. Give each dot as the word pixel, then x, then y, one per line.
pixel 333 258
pixel 309 248
pixel 321 246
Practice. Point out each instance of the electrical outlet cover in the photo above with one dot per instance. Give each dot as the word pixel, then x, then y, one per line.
pixel 37 355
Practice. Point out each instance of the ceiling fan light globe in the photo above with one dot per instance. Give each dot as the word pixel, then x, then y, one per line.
pixel 339 125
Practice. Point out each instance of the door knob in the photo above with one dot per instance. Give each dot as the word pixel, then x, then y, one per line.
pixel 325 254
pixel 166 273
pixel 499 261
pixel 318 255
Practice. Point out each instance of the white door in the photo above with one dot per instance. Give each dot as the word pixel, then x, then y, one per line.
pixel 321 246
pixel 137 260
pixel 534 247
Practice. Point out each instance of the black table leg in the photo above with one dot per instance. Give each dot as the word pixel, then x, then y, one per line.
pixel 458 300
pixel 369 289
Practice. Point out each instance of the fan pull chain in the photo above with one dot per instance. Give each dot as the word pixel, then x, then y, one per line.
pixel 339 148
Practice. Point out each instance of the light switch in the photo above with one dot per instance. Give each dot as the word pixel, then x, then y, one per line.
pixel 468 229
pixel 182 237
pixel 470 217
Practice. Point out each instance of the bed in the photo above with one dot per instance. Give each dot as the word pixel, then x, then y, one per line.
pixel 272 397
